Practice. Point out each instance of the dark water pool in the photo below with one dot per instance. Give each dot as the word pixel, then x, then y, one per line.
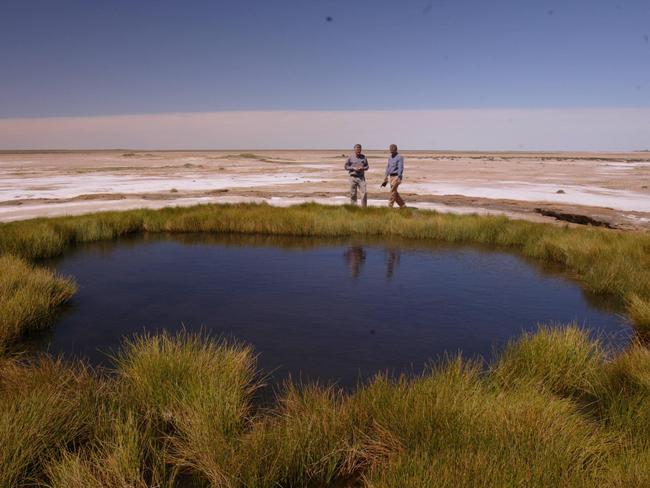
pixel 327 310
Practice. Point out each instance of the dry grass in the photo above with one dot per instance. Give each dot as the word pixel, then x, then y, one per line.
pixel 178 411
pixel 45 406
pixel 122 454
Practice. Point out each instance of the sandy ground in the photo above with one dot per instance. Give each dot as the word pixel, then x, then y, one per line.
pixel 608 188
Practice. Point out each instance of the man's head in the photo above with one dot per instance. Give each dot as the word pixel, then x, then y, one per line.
pixel 357 149
pixel 393 149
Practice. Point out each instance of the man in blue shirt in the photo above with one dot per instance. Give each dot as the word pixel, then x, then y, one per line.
pixel 394 172
pixel 356 166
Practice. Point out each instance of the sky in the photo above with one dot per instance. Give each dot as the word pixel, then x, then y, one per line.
pixel 121 60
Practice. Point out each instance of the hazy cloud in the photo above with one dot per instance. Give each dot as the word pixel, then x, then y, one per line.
pixel 602 129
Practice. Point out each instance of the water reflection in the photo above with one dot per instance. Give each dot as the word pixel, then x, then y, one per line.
pixel 355 256
pixel 392 261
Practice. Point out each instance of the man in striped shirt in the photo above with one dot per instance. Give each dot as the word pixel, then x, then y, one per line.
pixel 356 166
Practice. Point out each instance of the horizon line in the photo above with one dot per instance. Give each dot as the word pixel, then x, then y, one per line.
pixel 495 130
pixel 326 110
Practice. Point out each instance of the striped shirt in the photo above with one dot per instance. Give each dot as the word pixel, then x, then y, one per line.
pixel 353 161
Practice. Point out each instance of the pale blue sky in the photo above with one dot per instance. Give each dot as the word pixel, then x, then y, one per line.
pixel 124 57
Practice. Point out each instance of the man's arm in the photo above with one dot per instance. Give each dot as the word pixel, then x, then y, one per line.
pixel 348 165
pixel 366 166
pixel 400 166
pixel 385 182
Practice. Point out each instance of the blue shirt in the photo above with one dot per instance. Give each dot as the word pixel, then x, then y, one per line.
pixel 395 166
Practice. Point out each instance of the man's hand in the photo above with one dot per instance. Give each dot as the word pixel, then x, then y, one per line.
pixel 384 183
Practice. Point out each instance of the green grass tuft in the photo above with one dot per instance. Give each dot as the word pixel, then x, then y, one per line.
pixel 639 311
pixel 193 389
pixel 310 438
pixel 455 429
pixel 29 297
pixel 561 360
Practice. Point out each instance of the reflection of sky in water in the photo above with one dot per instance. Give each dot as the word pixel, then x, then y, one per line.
pixel 329 311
